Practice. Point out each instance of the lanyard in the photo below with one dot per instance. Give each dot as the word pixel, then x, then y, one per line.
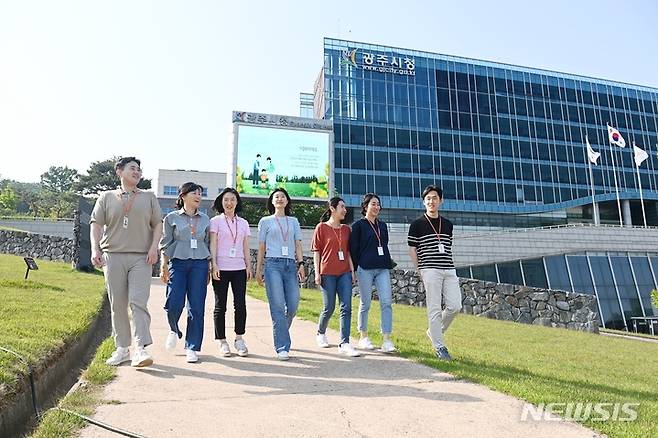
pixel 339 235
pixel 234 236
pixel 193 221
pixel 283 235
pixel 375 228
pixel 126 207
pixel 431 225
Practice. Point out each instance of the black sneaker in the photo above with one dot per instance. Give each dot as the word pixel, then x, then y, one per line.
pixel 442 353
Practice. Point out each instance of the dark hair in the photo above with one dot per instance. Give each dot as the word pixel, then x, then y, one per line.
pixel 432 189
pixel 270 205
pixel 257 155
pixel 366 200
pixel 333 202
pixel 219 207
pixel 268 158
pixel 184 190
pixel 125 160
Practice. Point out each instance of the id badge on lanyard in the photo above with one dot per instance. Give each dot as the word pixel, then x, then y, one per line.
pixel 380 251
pixel 284 251
pixel 232 252
pixel 193 244
pixel 341 255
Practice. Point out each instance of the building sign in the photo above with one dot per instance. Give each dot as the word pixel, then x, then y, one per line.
pixel 271 151
pixel 399 65
pixel 281 121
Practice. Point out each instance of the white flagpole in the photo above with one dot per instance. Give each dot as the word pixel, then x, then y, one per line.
pixel 639 181
pixel 595 214
pixel 614 172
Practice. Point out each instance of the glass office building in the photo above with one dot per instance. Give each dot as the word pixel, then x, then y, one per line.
pixel 621 281
pixel 506 143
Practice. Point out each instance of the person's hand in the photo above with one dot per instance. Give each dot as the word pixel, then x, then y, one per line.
pixel 259 277
pixel 209 278
pixel 318 279
pixel 215 274
pixel 164 274
pixel 250 274
pixel 97 257
pixel 152 256
pixel 301 273
pixel 353 278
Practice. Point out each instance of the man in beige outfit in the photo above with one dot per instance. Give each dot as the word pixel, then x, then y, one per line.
pixel 126 226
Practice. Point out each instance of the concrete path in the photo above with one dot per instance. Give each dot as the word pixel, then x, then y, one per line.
pixel 318 393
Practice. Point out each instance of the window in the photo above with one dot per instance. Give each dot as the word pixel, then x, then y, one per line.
pixel 170 191
pixel 533 271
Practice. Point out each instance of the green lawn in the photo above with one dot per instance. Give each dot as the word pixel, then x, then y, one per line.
pixel 40 315
pixel 536 364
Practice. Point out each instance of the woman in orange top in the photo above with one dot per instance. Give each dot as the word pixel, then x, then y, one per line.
pixel 334 273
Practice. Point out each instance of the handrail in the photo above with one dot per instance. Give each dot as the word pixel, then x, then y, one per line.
pixel 552 227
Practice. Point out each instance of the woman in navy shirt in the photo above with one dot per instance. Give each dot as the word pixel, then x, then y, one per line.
pixel 369 252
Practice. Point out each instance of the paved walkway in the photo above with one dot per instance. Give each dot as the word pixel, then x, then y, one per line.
pixel 316 394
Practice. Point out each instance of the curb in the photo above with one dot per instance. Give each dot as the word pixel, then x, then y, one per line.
pixel 54 375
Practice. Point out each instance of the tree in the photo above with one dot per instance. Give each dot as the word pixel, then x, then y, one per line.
pixel 8 201
pixel 59 179
pixel 101 176
pixel 654 298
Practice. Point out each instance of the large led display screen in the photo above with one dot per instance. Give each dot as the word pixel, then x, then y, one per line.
pixel 295 159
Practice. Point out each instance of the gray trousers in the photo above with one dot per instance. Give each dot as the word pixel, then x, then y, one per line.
pixel 128 282
pixel 441 285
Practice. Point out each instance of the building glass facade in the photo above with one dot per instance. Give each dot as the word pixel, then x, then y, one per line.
pixel 506 143
pixel 621 281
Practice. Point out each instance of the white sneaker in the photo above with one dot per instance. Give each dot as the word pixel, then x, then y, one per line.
pixel 224 349
pixel 141 358
pixel 170 343
pixel 388 347
pixel 347 349
pixel 365 344
pixel 283 355
pixel 191 356
pixel 321 339
pixel 241 347
pixel 119 356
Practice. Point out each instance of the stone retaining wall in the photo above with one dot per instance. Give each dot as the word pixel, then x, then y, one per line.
pixel 39 246
pixel 528 305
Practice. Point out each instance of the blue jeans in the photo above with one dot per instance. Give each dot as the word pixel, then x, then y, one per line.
pixel 382 280
pixel 187 279
pixel 282 288
pixel 340 285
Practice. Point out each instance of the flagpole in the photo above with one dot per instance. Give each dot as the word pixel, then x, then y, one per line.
pixel 595 213
pixel 639 181
pixel 614 173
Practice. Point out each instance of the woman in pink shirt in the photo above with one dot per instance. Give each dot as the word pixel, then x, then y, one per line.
pixel 229 249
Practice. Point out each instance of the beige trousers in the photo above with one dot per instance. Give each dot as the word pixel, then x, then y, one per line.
pixel 128 282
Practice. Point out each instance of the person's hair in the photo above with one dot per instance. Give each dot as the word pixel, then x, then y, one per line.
pixel 333 202
pixel 270 204
pixel 366 200
pixel 432 189
pixel 219 207
pixel 257 155
pixel 184 190
pixel 268 158
pixel 125 160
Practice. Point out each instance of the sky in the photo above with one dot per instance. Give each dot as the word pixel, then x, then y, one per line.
pixel 82 81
